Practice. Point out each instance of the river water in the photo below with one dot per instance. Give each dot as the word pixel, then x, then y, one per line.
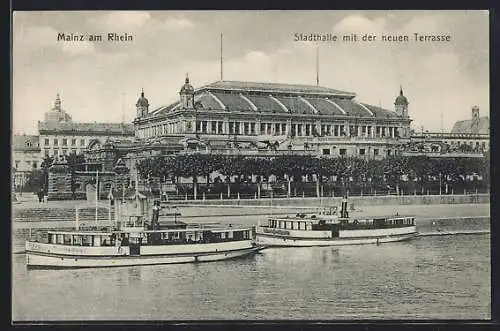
pixel 431 277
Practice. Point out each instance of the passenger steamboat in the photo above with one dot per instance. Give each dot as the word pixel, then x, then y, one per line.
pixel 135 240
pixel 327 228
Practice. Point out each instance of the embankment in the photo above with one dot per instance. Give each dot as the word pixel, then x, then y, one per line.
pixel 356 201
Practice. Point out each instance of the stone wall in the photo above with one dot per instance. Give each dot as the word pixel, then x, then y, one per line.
pixel 353 201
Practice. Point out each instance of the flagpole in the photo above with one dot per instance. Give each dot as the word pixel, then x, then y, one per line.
pixel 96 194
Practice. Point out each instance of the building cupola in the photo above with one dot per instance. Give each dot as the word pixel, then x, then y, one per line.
pixel 142 105
pixel 57 114
pixel 401 99
pixel 401 104
pixel 187 94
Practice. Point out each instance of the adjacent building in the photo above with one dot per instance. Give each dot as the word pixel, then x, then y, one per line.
pixel 25 157
pixel 59 135
pixel 467 138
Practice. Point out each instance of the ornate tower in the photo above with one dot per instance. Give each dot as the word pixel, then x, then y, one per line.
pixel 142 105
pixel 187 95
pixel 475 119
pixel 475 113
pixel 57 114
pixel 401 104
pixel 57 103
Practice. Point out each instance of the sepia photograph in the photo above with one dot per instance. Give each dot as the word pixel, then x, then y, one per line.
pixel 250 165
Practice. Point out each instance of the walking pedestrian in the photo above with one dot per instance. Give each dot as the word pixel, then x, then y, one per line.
pixel 40 195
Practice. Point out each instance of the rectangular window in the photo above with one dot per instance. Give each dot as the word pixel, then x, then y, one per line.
pixel 231 127
pixel 323 129
pixel 343 151
pixel 326 151
pixel 237 127
pixel 47 141
pixel 73 142
pixel 204 126
pixel 361 151
pixel 308 129
pixel 299 129
pixel 246 128
pixel 56 142
pixel 283 128
pixel 65 142
pixel 294 129
pixel 46 151
pixel 82 142
pixel 252 128
pixel 375 152
pixel 262 128
pixel 276 128
pixel 214 127
pixel 56 152
pixel 221 127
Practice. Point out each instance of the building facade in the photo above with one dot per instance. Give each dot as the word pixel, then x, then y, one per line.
pixel 263 118
pixel 468 138
pixel 25 157
pixel 59 135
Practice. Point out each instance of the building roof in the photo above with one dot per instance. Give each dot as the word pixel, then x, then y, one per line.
pixel 274 88
pixel 278 98
pixel 87 128
pixel 480 125
pixel 26 143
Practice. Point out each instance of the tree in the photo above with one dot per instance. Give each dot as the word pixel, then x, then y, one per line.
pixel 35 181
pixel 394 168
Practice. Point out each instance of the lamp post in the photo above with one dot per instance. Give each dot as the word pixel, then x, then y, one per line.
pixel 439 183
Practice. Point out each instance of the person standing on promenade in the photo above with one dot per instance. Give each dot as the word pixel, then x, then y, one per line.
pixel 41 195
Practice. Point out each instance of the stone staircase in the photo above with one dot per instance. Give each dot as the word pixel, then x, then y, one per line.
pixel 60 214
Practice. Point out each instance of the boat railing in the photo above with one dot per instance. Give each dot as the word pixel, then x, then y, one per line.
pixel 95 206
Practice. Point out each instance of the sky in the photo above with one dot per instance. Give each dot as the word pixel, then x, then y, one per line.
pixel 101 81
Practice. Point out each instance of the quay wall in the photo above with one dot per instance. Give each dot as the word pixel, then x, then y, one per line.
pixel 353 201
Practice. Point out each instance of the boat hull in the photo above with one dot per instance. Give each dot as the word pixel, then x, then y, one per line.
pixel 280 240
pixel 44 259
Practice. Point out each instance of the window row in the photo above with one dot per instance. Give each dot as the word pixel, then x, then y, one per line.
pixel 65 142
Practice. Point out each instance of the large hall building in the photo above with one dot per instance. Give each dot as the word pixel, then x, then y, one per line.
pixel 263 118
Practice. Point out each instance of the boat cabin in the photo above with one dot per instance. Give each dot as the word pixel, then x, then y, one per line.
pixel 313 222
pixel 148 237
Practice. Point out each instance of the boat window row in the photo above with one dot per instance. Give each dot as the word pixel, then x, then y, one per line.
pixel 148 238
pixel 289 224
pixel 377 223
